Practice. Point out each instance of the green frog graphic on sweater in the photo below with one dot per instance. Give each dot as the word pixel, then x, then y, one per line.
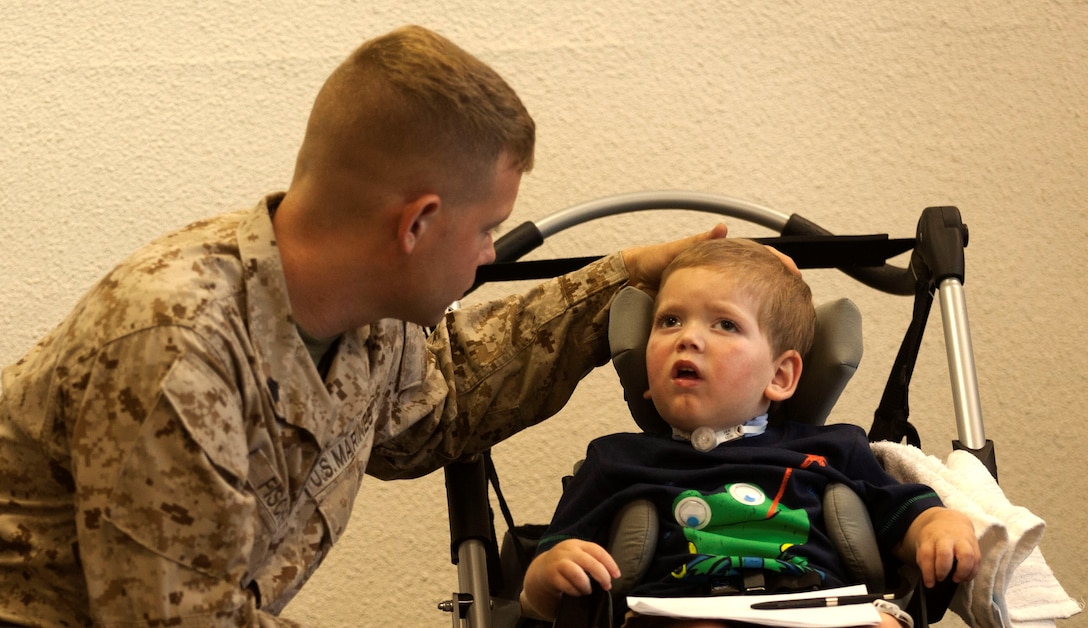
pixel 739 528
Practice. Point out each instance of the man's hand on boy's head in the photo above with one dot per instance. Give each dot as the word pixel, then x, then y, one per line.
pixel 646 263
pixel 939 540
pixel 567 569
pixel 787 260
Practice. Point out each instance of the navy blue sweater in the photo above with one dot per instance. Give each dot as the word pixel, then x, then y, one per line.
pixel 750 504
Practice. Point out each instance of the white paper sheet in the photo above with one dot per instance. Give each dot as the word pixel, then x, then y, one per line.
pixel 739 607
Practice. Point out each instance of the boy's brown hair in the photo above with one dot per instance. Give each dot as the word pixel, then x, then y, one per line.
pixel 786 312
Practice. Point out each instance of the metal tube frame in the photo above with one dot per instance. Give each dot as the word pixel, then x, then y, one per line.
pixel 643 201
pixel 472 576
pixel 961 364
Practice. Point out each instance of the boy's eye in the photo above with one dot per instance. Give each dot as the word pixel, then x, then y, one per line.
pixel 667 320
pixel 727 325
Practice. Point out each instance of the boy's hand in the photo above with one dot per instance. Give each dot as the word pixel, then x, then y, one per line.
pixel 567 568
pixel 938 539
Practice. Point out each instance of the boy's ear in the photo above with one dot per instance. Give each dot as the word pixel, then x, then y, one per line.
pixel 787 372
pixel 416 217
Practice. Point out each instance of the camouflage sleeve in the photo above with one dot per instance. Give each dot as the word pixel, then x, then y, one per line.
pixel 499 367
pixel 159 452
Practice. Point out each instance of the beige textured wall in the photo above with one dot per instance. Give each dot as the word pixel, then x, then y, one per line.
pixel 119 120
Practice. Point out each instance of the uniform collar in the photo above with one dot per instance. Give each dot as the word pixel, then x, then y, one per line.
pixel 298 392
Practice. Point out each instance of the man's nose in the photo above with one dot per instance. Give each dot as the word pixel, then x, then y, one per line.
pixel 487 255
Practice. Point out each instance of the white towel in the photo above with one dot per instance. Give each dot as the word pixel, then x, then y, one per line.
pixel 1034 596
pixel 1014 587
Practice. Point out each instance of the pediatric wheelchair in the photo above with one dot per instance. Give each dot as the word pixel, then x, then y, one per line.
pixel 490 578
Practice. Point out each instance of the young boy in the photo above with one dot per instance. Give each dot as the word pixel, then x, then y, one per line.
pixel 736 498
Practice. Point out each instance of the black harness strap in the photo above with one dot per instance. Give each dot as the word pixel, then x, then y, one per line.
pixel 863 251
pixel 891 420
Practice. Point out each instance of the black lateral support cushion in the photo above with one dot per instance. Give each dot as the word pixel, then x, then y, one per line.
pixel 632 542
pixel 851 532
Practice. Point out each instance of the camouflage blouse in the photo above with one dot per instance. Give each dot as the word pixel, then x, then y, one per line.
pixel 170 454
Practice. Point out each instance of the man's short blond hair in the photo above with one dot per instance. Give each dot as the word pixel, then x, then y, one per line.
pixel 786 312
pixel 412 101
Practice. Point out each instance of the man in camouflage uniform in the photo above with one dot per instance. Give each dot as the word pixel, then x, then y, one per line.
pixel 187 445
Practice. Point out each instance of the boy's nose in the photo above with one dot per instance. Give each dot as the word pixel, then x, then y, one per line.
pixel 690 340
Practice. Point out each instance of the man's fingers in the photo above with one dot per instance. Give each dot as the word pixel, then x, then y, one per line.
pixel 645 263
pixel 719 230
pixel 787 260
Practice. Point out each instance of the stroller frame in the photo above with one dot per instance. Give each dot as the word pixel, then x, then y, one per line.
pixel 936 267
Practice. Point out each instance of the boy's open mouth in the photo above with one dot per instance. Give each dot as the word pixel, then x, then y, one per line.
pixel 685 370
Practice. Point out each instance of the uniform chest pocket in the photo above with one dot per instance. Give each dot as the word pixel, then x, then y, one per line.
pixel 335 478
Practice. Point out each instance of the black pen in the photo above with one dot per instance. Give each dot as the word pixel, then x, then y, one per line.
pixel 820 602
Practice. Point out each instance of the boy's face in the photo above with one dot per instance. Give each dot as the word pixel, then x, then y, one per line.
pixel 708 361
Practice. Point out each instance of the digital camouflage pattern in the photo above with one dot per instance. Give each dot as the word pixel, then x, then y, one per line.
pixel 170 456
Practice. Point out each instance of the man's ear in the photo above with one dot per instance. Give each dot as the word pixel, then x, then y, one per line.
pixel 787 372
pixel 416 217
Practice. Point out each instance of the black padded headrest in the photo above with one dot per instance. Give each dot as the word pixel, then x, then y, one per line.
pixel 828 366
